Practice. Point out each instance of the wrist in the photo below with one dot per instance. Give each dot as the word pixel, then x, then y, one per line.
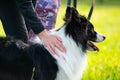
pixel 43 34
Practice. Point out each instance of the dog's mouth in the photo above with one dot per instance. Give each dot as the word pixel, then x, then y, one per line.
pixel 91 46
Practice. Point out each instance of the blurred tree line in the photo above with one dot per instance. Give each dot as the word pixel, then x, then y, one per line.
pixel 98 1
pixel 102 1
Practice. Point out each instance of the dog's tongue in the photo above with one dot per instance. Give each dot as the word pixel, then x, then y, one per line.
pixel 95 48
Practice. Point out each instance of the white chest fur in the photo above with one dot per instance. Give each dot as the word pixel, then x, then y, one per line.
pixel 72 64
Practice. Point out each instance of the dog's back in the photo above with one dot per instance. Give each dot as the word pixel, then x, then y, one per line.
pixel 14 63
pixel 17 60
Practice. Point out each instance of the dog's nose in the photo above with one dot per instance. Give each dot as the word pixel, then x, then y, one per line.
pixel 104 37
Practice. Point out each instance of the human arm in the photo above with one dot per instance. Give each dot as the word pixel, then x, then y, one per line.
pixel 31 19
pixel 33 22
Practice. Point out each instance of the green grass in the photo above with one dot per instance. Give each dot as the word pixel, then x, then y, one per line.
pixel 105 64
pixel 1 30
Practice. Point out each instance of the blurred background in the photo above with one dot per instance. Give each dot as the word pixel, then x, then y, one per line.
pixel 105 64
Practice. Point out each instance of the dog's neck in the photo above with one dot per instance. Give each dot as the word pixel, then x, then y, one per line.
pixel 69 66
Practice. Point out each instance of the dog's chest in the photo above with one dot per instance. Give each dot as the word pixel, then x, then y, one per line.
pixel 71 64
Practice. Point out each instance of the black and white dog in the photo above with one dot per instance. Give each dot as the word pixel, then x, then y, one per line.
pixel 17 58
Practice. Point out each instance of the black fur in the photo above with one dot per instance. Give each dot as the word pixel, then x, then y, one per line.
pixel 17 60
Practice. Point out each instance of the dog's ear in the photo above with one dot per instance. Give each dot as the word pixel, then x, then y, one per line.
pixel 76 17
pixel 68 14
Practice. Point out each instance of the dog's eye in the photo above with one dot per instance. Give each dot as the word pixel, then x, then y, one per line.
pixel 90 31
pixel 90 28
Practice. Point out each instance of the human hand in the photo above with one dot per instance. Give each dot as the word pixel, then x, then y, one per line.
pixel 52 42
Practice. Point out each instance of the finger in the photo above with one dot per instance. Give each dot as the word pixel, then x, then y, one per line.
pixel 52 50
pixel 59 38
pixel 60 46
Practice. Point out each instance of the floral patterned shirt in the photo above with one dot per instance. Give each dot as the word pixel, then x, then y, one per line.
pixel 47 12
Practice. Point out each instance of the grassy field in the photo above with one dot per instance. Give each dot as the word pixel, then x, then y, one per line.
pixel 105 64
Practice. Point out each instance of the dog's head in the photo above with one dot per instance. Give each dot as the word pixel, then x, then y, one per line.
pixel 81 30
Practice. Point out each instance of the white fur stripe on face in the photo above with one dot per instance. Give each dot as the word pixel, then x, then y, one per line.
pixel 100 37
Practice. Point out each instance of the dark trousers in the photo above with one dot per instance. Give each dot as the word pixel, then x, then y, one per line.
pixel 12 20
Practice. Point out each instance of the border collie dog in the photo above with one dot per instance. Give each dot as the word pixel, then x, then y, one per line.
pixel 17 59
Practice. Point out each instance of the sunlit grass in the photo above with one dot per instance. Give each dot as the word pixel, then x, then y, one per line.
pixel 1 30
pixel 105 64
